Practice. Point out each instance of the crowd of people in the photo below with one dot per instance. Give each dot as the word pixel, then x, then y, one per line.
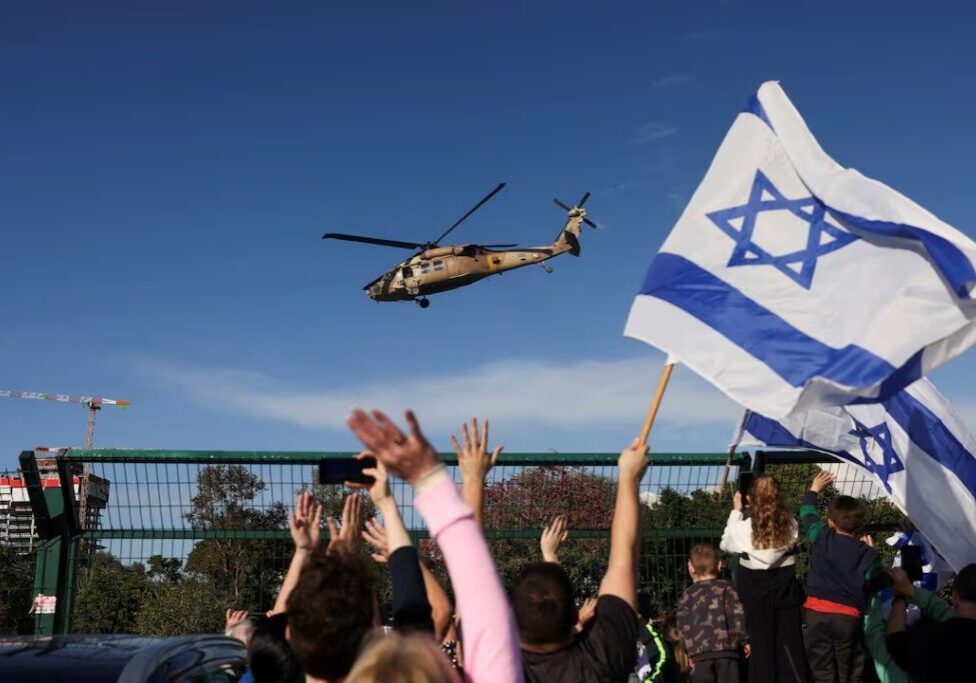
pixel 325 624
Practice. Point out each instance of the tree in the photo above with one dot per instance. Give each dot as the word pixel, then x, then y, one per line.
pixel 16 589
pixel 248 571
pixel 191 605
pixel 110 596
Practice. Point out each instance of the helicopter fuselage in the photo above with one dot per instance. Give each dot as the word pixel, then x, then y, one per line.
pixel 444 268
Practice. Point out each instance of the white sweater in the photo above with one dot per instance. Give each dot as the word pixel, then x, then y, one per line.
pixel 737 538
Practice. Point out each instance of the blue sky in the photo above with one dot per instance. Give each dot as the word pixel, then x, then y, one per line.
pixel 167 169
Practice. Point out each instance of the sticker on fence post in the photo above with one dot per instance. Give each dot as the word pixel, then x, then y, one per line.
pixel 45 604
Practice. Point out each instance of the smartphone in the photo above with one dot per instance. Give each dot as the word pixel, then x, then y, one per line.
pixel 745 482
pixel 911 562
pixel 340 470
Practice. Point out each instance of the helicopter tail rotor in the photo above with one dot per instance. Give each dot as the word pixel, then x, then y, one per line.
pixel 578 208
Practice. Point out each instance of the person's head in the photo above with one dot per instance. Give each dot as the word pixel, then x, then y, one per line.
pixel 269 658
pixel 772 522
pixel 964 592
pixel 330 612
pixel 396 658
pixel 703 562
pixel 644 606
pixel 846 515
pixel 672 635
pixel 543 602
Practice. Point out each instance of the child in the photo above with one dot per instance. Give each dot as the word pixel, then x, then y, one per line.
pixel 711 621
pixel 766 582
pixel 843 571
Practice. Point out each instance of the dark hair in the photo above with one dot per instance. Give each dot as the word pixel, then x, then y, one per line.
pixel 847 514
pixel 269 656
pixel 330 612
pixel 543 601
pixel 704 559
pixel 644 606
pixel 964 585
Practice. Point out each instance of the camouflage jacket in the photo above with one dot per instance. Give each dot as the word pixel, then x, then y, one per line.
pixel 710 618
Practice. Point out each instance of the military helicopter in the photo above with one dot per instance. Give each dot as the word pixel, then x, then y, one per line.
pixel 433 268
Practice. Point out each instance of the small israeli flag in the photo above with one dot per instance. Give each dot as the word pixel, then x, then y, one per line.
pixel 915 446
pixel 790 280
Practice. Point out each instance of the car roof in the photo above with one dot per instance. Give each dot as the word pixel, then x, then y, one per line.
pixel 107 657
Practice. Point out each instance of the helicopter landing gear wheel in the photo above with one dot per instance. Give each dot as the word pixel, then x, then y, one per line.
pixel 423 303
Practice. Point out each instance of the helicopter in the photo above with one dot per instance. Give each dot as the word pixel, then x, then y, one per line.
pixel 434 268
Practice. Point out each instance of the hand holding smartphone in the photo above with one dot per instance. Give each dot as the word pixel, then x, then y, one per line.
pixel 341 470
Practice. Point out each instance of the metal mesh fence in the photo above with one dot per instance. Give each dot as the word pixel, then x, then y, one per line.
pixel 174 538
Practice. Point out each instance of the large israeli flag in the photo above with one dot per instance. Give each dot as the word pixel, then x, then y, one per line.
pixel 791 280
pixel 914 445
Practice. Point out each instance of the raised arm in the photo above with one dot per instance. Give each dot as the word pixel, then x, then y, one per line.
pixel 491 647
pixel 621 576
pixel 553 536
pixel 810 520
pixel 411 608
pixel 474 462
pixel 305 525
pixel 729 543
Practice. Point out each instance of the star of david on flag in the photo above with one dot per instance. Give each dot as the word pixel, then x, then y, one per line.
pixel 913 445
pixel 822 237
pixel 879 435
pixel 790 281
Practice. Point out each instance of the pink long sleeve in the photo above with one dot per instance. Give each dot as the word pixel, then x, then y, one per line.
pixel 490 637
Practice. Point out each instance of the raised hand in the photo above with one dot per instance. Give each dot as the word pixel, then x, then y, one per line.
pixel 821 481
pixel 233 618
pixel 375 535
pixel 473 459
pixel 553 536
pixel 305 522
pixel 409 457
pixel 379 490
pixel 900 582
pixel 586 612
pixel 347 539
pixel 737 501
pixel 633 462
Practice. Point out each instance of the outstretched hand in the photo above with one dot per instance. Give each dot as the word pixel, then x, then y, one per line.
pixel 234 618
pixel 409 457
pixel 473 458
pixel 553 536
pixel 375 535
pixel 821 481
pixel 900 582
pixel 305 522
pixel 346 539
pixel 379 490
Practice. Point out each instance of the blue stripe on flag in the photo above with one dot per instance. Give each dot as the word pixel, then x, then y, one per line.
pixel 772 433
pixel 930 434
pixel 788 351
pixel 951 263
pixel 754 106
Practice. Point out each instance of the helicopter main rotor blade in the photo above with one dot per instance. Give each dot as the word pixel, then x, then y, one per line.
pixel 465 216
pixel 561 205
pixel 589 222
pixel 371 240
pixel 583 200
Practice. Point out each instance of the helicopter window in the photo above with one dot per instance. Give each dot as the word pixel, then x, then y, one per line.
pixel 467 250
pixel 438 265
pixel 407 271
pixel 496 260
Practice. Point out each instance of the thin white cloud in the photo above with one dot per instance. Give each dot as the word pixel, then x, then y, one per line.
pixel 671 80
pixel 584 394
pixel 653 130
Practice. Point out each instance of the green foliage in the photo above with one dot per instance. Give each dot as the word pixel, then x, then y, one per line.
pixel 110 596
pixel 248 571
pixel 191 605
pixel 16 589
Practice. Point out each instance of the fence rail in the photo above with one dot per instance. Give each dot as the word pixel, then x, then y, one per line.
pixel 219 519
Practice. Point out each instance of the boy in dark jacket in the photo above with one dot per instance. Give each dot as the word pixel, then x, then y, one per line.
pixel 843 572
pixel 711 621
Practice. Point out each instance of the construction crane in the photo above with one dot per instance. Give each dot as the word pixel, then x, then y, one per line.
pixel 92 403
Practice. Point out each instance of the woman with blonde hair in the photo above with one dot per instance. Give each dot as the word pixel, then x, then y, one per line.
pixel 763 533
pixel 397 658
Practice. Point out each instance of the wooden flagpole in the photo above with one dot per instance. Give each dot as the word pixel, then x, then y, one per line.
pixel 662 384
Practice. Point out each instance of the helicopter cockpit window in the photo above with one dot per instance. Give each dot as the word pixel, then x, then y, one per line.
pixel 468 250
pixel 407 271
